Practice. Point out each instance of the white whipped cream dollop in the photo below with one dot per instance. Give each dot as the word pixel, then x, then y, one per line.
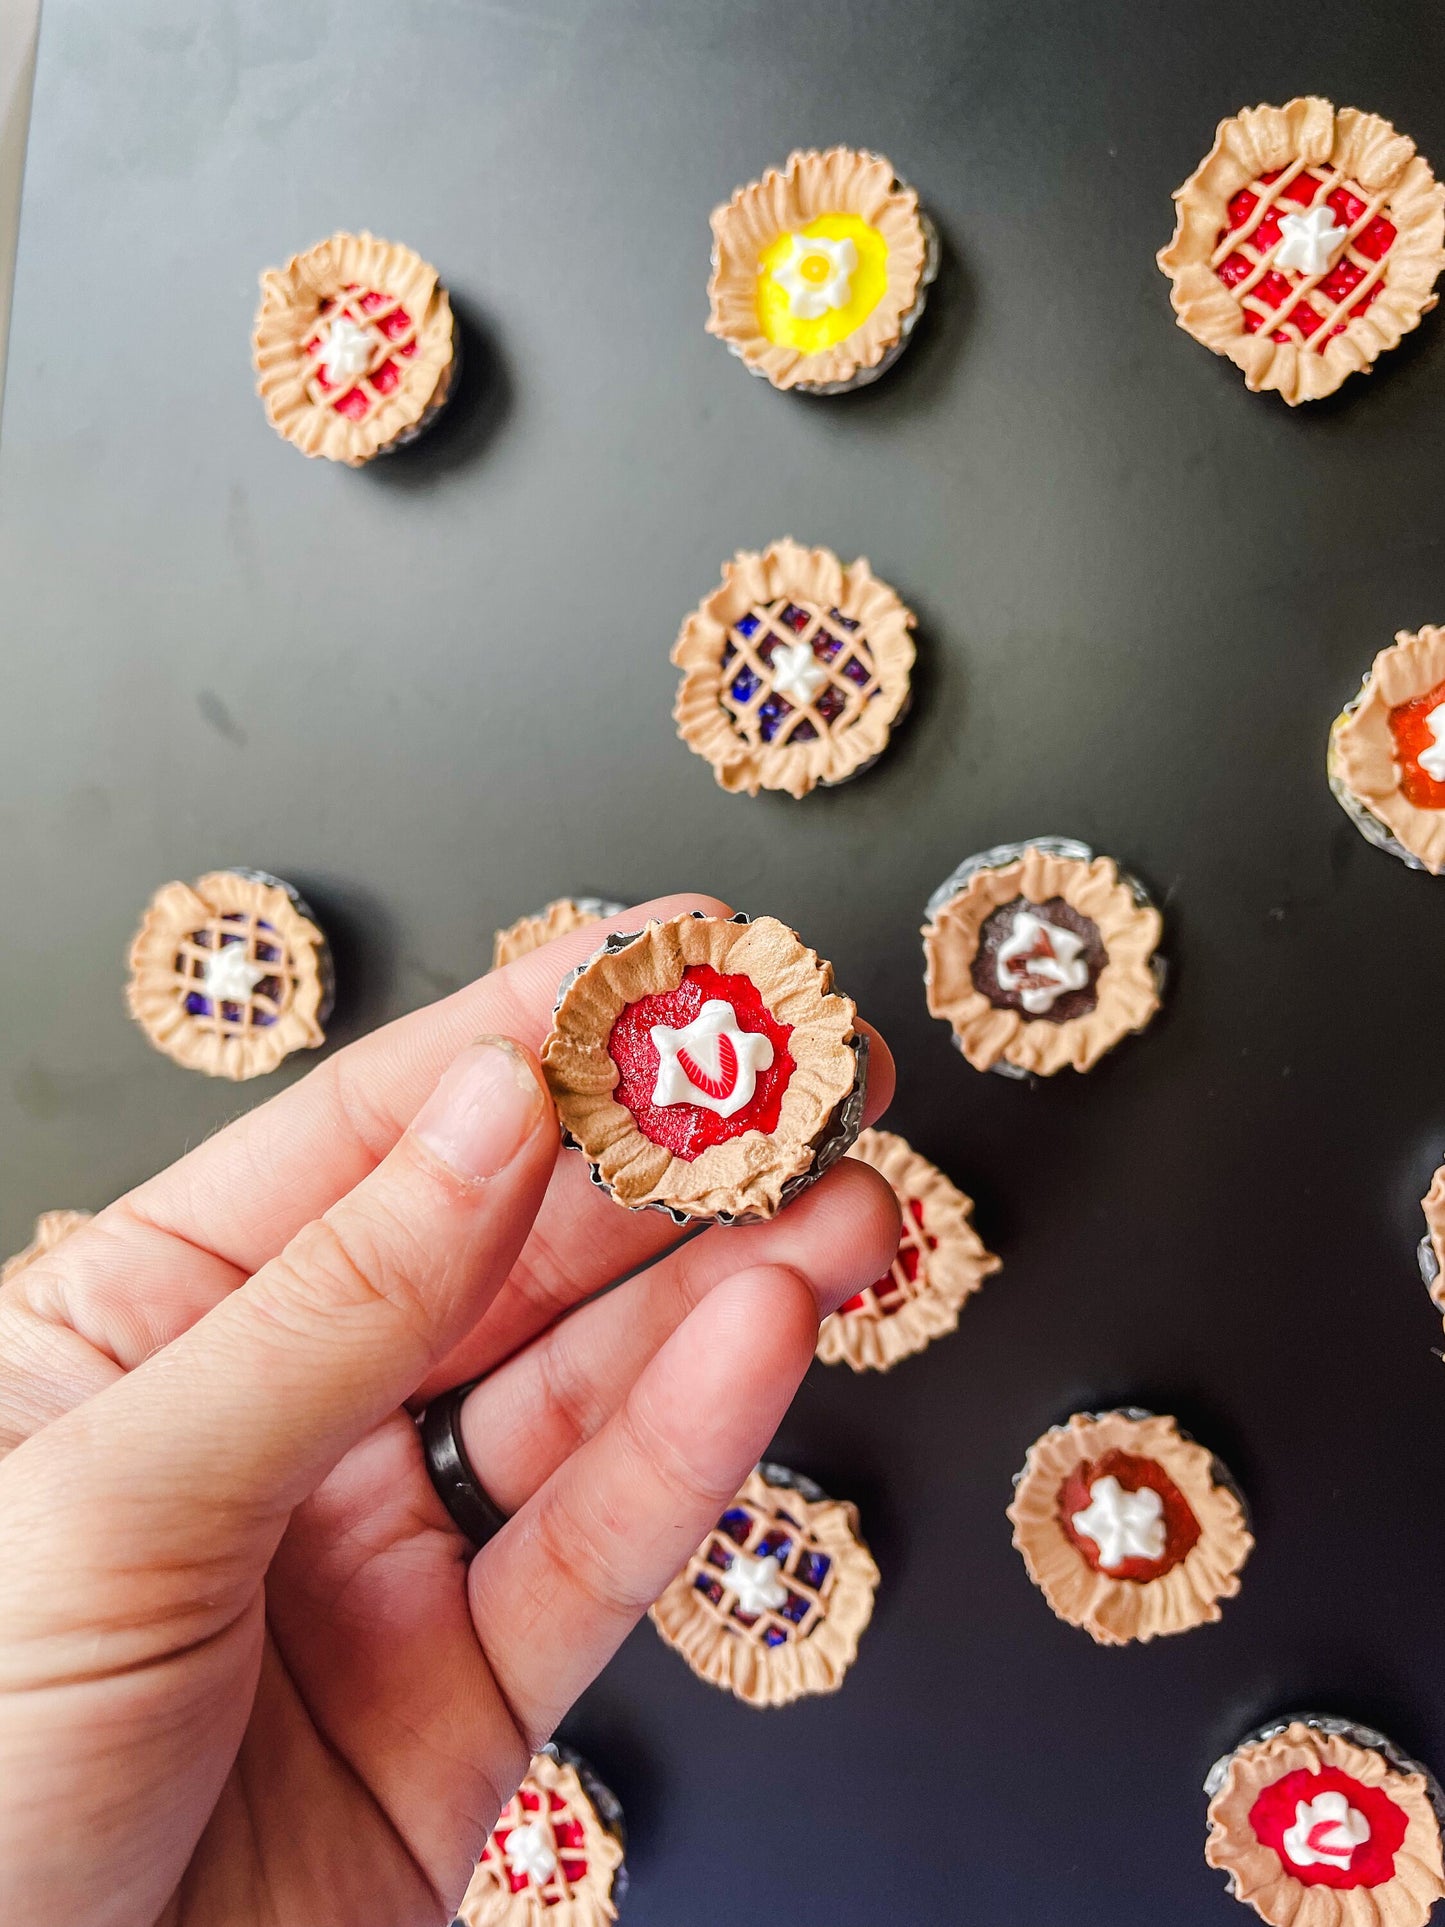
pixel 1039 962
pixel 757 1584
pixel 346 349
pixel 816 274
pixel 1432 759
pixel 1311 240
pixel 712 1062
pixel 529 1853
pixel 797 673
pixel 1123 1525
pixel 229 975
pixel 1326 1832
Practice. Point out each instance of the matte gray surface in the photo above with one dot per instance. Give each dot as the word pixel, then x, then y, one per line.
pixel 436 693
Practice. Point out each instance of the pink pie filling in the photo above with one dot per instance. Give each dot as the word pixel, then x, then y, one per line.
pixel 360 305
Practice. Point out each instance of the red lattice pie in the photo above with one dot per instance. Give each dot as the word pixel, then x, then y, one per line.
pixel 794 670
pixel 51 1227
pixel 775 1599
pixel 1319 1822
pixel 1308 241
pixel 229 975
pixel 555 1854
pixel 940 1261
pixel 354 347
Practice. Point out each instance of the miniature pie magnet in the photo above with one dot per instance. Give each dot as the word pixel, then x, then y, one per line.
pixel 555 1855
pixel 940 1261
pixel 774 1601
pixel 820 270
pixel 1307 242
pixel 559 919
pixel 1386 760
pixel 795 670
pixel 1128 1528
pixel 230 974
pixel 51 1228
pixel 706 1067
pixel 354 347
pixel 1320 1822
pixel 1040 955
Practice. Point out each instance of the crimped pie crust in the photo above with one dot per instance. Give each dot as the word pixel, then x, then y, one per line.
pixel 291 299
pixel 812 184
pixel 559 919
pixel 1366 153
pixel 952 1264
pixel 1260 1878
pixel 1433 1205
pixel 742 1177
pixel 556 1902
pixel 164 961
pixel 1114 1611
pixel 1126 990
pixel 1362 748
pixel 757 588
pixel 819 1649
pixel 50 1228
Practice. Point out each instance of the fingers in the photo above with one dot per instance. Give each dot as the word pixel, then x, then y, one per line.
pixel 522 1422
pixel 247 1412
pixel 555 1593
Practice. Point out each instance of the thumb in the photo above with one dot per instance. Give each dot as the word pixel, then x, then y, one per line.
pixel 246 1413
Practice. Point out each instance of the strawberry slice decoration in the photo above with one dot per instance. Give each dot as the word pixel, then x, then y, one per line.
pixel 726 1080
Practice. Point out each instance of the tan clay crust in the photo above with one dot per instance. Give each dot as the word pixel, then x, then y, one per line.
pixel 743 1175
pixel 157 989
pixel 870 1340
pixel 489 1900
pixel 1364 150
pixel 1433 1205
pixel 844 180
pixel 765 584
pixel 727 1653
pixel 527 934
pixel 50 1228
pixel 1115 1611
pixel 1259 1877
pixel 1362 748
pixel 291 299
pixel 1126 994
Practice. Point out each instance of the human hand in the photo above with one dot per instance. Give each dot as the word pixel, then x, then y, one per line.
pixel 249 1670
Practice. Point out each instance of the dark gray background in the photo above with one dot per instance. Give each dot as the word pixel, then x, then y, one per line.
pixel 436 693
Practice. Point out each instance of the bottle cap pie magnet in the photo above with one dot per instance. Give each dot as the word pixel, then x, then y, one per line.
pixel 1431 1249
pixel 1387 751
pixel 230 974
pixel 1039 955
pixel 774 1601
pixel 559 918
pixel 820 271
pixel 1320 1822
pixel 706 1067
pixel 794 670
pixel 555 1854
pixel 50 1228
pixel 354 348
pixel 940 1261
pixel 1307 242
pixel 1127 1527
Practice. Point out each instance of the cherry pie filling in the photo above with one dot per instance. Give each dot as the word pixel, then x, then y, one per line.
pixel 763 712
pixel 394 341
pixel 263 1006
pixel 799 1564
pixel 894 1290
pixel 1315 306
pixel 1008 973
pixel 1414 735
pixel 569 1839
pixel 1133 1474
pixel 1288 1820
pixel 686 1129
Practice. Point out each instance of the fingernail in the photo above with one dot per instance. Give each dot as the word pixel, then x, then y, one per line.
pixel 486 1107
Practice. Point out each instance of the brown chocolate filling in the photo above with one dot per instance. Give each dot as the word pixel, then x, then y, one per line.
pixel 997 929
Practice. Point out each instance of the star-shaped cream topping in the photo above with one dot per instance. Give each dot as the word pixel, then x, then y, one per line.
pixel 816 275
pixel 797 673
pixel 1123 1525
pixel 229 975
pixel 346 349
pixel 1311 240
pixel 712 1062
pixel 529 1853
pixel 1326 1831
pixel 757 1584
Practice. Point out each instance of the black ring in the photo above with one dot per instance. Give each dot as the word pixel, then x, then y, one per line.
pixel 450 1471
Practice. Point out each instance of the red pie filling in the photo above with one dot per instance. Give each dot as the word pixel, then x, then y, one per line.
pixel 1276 287
pixel 909 1258
pixel 570 1841
pixel 1412 734
pixel 1181 1528
pixel 1276 1812
pixel 361 305
pixel 687 1130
